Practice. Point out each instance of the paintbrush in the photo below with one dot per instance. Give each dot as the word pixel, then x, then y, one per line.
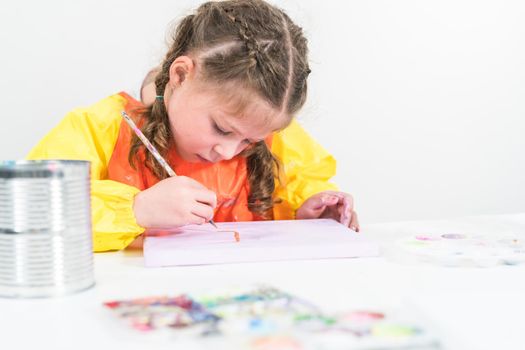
pixel 152 149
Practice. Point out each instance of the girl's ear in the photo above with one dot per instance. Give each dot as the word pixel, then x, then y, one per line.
pixel 181 69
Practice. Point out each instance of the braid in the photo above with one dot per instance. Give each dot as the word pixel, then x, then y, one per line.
pixel 262 170
pixel 245 34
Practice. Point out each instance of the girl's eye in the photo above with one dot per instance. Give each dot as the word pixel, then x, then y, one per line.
pixel 220 131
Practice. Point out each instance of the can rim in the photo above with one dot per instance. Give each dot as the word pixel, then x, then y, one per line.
pixel 42 168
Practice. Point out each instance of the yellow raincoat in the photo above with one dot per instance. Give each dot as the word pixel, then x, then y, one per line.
pixel 91 134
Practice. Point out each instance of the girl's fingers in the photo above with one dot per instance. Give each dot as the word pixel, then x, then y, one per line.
pixel 327 201
pixel 354 223
pixel 329 209
pixel 342 195
pixel 323 205
pixel 318 205
pixel 207 197
pixel 196 220
pixel 336 205
pixel 203 211
pixel 317 212
pixel 346 214
pixel 341 209
pixel 313 208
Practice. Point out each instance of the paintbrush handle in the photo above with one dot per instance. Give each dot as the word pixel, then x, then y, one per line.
pixel 148 145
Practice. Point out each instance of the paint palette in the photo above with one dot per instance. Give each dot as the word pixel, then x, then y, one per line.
pixel 263 318
pixel 457 249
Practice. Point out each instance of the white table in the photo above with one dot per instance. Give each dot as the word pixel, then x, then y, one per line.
pixel 471 308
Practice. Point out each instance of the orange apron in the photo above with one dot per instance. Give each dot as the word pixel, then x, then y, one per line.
pixel 228 179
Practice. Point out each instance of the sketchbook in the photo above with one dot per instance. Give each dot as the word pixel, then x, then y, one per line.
pixel 255 241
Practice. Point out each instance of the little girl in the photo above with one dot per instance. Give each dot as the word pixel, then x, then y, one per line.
pixel 222 116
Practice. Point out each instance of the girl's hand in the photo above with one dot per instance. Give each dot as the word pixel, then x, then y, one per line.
pixel 330 204
pixel 173 202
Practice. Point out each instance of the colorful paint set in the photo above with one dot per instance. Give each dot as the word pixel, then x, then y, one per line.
pixel 462 250
pixel 265 318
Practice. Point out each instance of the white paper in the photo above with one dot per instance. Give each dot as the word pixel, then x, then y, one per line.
pixel 259 241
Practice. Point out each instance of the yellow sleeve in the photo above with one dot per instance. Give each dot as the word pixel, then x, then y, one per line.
pixel 91 134
pixel 306 169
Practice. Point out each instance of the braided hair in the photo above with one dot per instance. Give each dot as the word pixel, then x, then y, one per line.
pixel 249 43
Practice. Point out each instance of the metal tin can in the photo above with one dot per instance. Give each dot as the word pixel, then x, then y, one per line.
pixel 45 228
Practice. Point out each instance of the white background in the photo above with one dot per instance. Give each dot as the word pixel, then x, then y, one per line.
pixel 421 102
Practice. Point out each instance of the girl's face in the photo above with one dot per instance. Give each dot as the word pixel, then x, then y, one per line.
pixel 207 127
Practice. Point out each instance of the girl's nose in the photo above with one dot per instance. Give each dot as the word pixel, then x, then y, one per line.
pixel 228 150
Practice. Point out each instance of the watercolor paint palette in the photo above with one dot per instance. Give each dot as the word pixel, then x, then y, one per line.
pixel 462 250
pixel 265 318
